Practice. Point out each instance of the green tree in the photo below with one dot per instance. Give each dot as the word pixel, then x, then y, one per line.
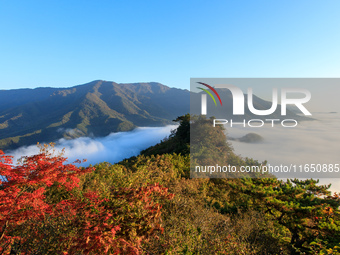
pixel 307 210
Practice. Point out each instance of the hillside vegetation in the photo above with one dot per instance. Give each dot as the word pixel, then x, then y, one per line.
pixel 28 116
pixel 149 205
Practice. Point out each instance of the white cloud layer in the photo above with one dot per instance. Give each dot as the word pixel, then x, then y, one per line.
pixel 311 142
pixel 112 148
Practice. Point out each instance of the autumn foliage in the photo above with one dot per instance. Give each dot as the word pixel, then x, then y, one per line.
pixel 43 210
pixel 50 207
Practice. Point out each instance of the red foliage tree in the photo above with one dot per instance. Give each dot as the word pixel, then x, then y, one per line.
pixel 90 222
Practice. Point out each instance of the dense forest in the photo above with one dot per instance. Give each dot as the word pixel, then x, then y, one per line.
pixel 149 205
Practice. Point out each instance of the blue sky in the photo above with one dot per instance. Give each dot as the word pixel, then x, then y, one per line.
pixel 65 43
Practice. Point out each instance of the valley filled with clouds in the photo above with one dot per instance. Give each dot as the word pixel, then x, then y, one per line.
pixel 112 148
pixel 311 142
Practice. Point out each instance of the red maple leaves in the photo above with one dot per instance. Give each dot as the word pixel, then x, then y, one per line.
pixel 42 207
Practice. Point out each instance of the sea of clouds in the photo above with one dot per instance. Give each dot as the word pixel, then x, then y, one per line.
pixel 112 148
pixel 311 142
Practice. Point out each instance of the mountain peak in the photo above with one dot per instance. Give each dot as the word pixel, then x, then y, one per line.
pixel 98 107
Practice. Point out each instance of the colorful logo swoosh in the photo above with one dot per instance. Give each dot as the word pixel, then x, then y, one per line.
pixel 208 92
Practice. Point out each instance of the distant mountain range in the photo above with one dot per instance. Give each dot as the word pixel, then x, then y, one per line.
pixel 28 116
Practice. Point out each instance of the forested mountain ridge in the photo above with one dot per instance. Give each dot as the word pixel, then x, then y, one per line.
pixel 28 116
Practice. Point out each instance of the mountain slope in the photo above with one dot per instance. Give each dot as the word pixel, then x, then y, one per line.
pixel 96 108
pixel 28 116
